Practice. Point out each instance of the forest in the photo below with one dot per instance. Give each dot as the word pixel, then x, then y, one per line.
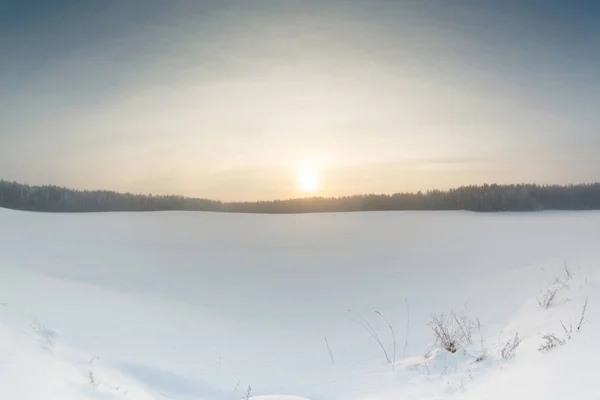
pixel 482 198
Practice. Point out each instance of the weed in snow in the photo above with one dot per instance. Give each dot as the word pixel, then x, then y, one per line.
pixel 452 331
pixel 509 348
pixel 545 299
pixel 407 328
pixel 568 331
pixel 582 319
pixel 391 359
pixel 483 349
pixel 248 393
pixel 91 377
pixel 568 274
pixel 329 350
pixel 550 341
pixel 46 335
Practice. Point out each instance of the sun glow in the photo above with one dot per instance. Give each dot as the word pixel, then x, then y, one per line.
pixel 308 178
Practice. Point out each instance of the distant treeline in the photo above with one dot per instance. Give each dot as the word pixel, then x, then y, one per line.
pixel 524 197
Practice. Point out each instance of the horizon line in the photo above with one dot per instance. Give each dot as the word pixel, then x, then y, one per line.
pixel 484 184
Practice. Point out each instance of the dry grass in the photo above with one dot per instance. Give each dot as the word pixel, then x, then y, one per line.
pixel 248 393
pixel 91 377
pixel 550 341
pixel 452 331
pixel 511 346
pixel 389 353
pixel 545 299
pixel 568 331
pixel 329 350
pixel 582 318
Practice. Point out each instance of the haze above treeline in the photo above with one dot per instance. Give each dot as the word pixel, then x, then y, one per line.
pixel 484 198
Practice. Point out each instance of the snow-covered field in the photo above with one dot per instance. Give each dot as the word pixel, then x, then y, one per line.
pixel 217 306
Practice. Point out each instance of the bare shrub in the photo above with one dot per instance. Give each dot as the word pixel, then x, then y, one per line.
pixel 550 341
pixel 452 331
pixel 546 298
pixel 509 348
pixel 465 325
pixel 582 318
pixel 446 335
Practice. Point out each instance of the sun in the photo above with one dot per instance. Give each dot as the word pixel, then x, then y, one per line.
pixel 308 180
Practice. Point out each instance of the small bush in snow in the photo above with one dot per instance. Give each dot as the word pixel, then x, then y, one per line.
pixel 546 298
pixel 452 331
pixel 509 348
pixel 550 342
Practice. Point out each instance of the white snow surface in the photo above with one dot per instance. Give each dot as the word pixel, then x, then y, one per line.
pixel 179 305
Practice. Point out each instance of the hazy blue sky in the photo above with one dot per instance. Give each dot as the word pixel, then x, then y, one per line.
pixel 228 99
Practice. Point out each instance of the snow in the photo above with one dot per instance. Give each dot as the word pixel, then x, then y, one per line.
pixel 182 306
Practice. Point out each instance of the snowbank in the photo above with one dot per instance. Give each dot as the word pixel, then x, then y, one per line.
pixel 215 306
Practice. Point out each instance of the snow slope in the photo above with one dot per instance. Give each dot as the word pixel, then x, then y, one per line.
pixel 215 306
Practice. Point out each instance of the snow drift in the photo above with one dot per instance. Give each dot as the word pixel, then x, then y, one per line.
pixel 182 305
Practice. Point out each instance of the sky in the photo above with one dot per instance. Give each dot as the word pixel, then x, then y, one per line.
pixel 265 99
